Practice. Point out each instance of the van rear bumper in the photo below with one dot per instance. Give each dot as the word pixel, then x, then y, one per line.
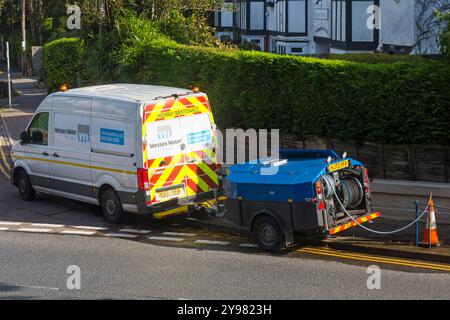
pixel 142 208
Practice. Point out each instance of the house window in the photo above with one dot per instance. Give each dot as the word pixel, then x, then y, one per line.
pixel 281 50
pixel 297 50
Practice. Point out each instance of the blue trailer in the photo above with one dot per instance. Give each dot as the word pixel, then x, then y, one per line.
pixel 302 191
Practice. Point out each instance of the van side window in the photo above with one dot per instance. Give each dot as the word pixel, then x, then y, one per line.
pixel 38 129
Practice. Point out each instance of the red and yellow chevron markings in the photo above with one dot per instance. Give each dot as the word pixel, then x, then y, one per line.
pixel 201 175
pixel 171 173
pixel 195 170
pixel 353 223
pixel 174 108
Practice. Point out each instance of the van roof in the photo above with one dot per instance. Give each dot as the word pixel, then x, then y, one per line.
pixel 129 92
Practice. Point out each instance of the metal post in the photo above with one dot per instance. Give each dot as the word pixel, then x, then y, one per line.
pixel 24 40
pixel 417 223
pixel 9 74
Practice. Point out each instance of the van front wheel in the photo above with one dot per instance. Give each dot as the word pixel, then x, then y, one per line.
pixel 26 190
pixel 112 207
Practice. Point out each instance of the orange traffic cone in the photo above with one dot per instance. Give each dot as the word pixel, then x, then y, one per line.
pixel 430 235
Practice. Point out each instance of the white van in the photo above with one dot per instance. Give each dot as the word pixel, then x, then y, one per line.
pixel 125 147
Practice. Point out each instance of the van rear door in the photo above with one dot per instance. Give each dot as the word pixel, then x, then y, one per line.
pixel 179 148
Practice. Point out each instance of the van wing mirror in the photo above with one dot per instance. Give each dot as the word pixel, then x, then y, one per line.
pixel 25 138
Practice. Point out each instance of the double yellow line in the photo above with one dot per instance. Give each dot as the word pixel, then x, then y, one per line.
pixel 371 258
pixel 5 168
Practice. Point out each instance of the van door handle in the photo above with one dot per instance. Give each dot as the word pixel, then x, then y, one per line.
pixel 56 155
pixel 45 153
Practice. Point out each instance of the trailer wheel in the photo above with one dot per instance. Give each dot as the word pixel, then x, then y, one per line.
pixel 112 207
pixel 25 187
pixel 268 234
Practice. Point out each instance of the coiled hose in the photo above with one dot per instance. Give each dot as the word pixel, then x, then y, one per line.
pixel 350 193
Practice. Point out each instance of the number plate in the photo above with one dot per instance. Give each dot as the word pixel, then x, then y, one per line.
pixel 171 193
pixel 338 166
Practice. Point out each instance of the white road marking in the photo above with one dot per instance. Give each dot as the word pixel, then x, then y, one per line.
pixel 121 235
pixel 4 229
pixel 10 223
pixel 222 243
pixel 35 287
pixel 49 225
pixel 192 219
pixel 166 239
pixel 248 245
pixel 181 234
pixel 35 230
pixel 135 231
pixel 43 288
pixel 89 228
pixel 79 232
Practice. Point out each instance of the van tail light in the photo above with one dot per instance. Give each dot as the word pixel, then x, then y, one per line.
pixel 143 182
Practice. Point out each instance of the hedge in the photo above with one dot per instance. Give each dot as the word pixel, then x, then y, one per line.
pixel 401 102
pixel 63 61
pixel 376 58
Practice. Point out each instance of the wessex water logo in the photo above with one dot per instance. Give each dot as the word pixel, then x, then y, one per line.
pixel 80 135
pixel 83 133
pixel 164 132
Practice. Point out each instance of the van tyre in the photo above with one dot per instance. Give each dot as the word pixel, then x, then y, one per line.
pixel 112 207
pixel 268 234
pixel 25 187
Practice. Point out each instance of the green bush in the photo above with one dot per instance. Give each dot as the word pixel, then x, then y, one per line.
pixel 375 58
pixel 191 29
pixel 402 102
pixel 63 61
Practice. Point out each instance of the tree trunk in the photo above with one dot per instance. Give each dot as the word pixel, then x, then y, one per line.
pixel 31 19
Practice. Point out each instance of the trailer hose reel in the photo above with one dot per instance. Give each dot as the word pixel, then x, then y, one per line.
pixel 350 190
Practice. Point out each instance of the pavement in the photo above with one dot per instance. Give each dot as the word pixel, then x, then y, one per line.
pixel 192 257
pixel 23 105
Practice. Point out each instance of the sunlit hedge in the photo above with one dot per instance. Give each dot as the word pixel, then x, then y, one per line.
pixel 63 61
pixel 398 102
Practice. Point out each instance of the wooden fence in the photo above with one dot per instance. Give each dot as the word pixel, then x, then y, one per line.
pixel 398 162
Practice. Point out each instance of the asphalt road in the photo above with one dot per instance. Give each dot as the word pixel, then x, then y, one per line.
pixel 34 266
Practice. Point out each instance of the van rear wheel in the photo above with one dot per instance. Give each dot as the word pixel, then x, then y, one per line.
pixel 112 207
pixel 25 187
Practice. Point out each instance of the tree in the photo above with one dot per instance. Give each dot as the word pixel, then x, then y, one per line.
pixel 186 21
pixel 428 26
pixel 36 16
pixel 444 38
